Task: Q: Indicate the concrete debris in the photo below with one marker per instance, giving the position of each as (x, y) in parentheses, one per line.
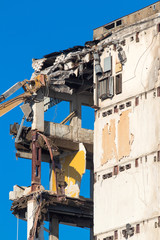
(19, 192)
(63, 69)
(77, 211)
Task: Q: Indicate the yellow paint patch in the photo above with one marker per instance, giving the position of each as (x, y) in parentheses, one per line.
(54, 187)
(74, 167)
(108, 142)
(124, 146)
(118, 67)
(111, 150)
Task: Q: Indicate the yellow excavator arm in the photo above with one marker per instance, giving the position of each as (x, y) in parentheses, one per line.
(9, 105)
(29, 86)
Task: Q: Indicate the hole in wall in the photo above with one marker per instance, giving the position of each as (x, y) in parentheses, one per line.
(85, 185)
(110, 26)
(118, 23)
(58, 112)
(45, 170)
(87, 115)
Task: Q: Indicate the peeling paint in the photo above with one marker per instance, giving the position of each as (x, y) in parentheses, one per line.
(110, 132)
(124, 146)
(108, 142)
(74, 167)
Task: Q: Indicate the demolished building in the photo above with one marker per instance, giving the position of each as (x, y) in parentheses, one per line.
(117, 74)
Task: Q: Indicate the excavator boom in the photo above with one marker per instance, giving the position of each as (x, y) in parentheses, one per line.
(30, 87)
(11, 90)
(14, 102)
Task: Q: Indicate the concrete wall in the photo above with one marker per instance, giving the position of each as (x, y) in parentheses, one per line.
(127, 138)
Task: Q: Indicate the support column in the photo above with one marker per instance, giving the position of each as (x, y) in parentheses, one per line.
(75, 105)
(31, 209)
(54, 229)
(38, 112)
(31, 217)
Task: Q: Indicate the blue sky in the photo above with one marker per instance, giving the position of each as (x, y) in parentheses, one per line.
(31, 29)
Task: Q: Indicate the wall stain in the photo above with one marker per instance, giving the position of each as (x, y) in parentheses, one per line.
(111, 149)
(108, 142)
(124, 146)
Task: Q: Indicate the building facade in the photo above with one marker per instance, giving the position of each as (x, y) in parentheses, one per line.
(127, 131)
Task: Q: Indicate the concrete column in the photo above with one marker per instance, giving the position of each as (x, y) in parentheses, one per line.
(75, 105)
(38, 112)
(31, 210)
(54, 229)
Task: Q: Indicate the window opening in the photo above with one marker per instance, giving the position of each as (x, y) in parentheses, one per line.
(110, 26)
(107, 64)
(55, 114)
(118, 23)
(87, 116)
(118, 83)
(106, 88)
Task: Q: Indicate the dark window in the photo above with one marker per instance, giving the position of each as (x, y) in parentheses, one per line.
(110, 26)
(122, 106)
(118, 23)
(106, 88)
(128, 166)
(121, 168)
(138, 228)
(119, 84)
(128, 104)
(116, 234)
(137, 36)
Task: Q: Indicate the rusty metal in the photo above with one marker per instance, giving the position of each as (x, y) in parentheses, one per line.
(136, 162)
(137, 228)
(36, 162)
(115, 170)
(137, 36)
(158, 156)
(136, 101)
(115, 109)
(158, 92)
(116, 234)
(51, 155)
